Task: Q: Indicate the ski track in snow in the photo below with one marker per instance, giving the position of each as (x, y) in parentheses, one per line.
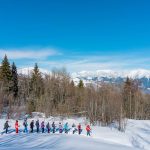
(140, 136)
(55, 142)
(137, 136)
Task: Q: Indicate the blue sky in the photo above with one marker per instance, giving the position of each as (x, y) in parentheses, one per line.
(76, 34)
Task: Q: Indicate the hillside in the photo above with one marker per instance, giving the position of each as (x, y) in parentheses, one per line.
(136, 137)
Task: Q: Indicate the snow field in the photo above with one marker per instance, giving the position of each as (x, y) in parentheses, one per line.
(136, 136)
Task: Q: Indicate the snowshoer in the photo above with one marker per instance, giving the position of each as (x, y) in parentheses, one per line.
(74, 128)
(88, 129)
(32, 126)
(42, 126)
(37, 126)
(48, 127)
(25, 124)
(66, 127)
(17, 126)
(53, 127)
(79, 129)
(60, 128)
(6, 126)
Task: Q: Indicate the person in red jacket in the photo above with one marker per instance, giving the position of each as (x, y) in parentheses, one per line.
(16, 126)
(88, 129)
(79, 129)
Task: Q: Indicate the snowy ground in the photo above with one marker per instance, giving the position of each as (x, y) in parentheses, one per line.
(137, 136)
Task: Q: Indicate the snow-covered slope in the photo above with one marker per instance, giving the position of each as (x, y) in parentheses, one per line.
(56, 142)
(137, 136)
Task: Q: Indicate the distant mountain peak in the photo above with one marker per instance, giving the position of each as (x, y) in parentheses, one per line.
(28, 70)
(138, 73)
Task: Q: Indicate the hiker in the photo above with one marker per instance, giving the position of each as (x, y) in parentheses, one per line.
(37, 126)
(53, 127)
(48, 127)
(6, 126)
(25, 124)
(17, 126)
(66, 127)
(88, 129)
(60, 128)
(42, 126)
(79, 129)
(74, 128)
(32, 126)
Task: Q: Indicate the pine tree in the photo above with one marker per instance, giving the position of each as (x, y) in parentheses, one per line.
(6, 74)
(36, 88)
(36, 82)
(14, 80)
(81, 84)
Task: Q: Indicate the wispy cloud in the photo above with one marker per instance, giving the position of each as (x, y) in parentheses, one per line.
(26, 57)
(91, 63)
(29, 53)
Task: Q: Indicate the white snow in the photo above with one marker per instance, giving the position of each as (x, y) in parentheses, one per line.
(88, 76)
(138, 73)
(28, 71)
(137, 136)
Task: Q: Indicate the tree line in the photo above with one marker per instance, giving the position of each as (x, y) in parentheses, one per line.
(56, 94)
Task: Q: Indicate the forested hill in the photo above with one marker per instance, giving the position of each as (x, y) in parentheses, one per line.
(58, 93)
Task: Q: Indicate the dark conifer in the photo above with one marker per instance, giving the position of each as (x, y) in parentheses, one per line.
(6, 74)
(81, 84)
(14, 80)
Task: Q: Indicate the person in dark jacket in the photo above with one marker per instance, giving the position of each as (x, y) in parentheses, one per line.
(6, 126)
(74, 129)
(42, 126)
(48, 127)
(53, 127)
(79, 129)
(37, 126)
(32, 126)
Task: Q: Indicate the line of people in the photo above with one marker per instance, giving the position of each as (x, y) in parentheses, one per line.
(48, 128)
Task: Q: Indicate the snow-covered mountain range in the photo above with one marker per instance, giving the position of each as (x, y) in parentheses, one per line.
(134, 74)
(113, 77)
(103, 76)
